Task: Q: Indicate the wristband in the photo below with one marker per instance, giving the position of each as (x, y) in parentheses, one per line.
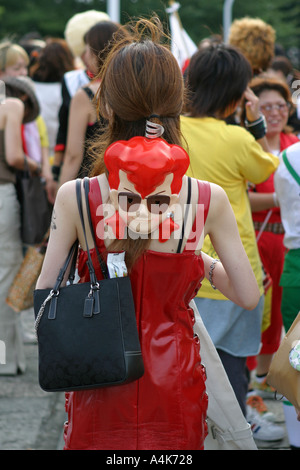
(55, 172)
(257, 128)
(275, 200)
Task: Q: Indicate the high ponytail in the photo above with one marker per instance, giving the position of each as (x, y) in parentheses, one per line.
(140, 77)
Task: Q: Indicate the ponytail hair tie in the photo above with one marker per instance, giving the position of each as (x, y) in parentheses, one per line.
(153, 130)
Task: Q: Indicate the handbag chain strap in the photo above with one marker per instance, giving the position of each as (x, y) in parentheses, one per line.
(41, 311)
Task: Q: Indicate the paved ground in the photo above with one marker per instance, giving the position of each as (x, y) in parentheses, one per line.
(33, 419)
(29, 417)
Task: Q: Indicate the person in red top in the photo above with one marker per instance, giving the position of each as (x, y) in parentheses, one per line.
(275, 104)
(137, 206)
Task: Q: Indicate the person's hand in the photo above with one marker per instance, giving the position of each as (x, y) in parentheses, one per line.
(251, 105)
(298, 414)
(51, 189)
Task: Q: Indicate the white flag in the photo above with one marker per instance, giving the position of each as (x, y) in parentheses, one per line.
(182, 45)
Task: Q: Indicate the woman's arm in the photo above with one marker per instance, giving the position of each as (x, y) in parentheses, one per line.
(234, 276)
(262, 201)
(63, 233)
(78, 122)
(51, 186)
(14, 152)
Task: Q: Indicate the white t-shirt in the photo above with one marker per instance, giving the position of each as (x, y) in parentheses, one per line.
(288, 193)
(49, 96)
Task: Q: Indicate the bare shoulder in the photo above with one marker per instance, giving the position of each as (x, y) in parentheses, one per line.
(218, 195)
(11, 115)
(66, 195)
(219, 206)
(14, 104)
(13, 107)
(80, 108)
(80, 97)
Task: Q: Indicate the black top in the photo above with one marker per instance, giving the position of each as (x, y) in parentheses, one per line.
(92, 131)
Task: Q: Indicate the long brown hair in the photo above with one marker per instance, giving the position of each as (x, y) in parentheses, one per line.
(52, 62)
(99, 38)
(140, 78)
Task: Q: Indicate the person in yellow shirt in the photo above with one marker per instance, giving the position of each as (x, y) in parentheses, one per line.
(230, 156)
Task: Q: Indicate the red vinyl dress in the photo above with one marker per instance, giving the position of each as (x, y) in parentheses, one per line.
(166, 408)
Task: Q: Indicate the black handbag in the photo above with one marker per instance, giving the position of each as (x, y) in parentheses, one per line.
(87, 333)
(36, 210)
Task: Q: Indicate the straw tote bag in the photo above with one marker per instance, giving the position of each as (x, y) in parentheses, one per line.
(20, 294)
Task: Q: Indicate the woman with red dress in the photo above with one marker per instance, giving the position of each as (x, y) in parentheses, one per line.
(275, 104)
(138, 206)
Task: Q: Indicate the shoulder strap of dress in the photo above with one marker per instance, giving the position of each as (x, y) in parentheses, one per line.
(185, 215)
(89, 92)
(96, 211)
(204, 193)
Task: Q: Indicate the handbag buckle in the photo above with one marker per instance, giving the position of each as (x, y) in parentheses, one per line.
(92, 302)
(54, 293)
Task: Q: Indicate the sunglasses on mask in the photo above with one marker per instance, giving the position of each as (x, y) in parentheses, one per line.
(156, 204)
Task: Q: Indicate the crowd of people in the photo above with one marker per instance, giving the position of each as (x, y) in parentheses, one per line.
(68, 101)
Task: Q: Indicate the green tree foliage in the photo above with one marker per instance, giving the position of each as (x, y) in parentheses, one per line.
(47, 17)
(204, 18)
(200, 18)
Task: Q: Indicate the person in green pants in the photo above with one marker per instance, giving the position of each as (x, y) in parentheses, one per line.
(287, 186)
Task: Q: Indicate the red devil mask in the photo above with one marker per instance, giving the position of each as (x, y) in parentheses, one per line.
(149, 170)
